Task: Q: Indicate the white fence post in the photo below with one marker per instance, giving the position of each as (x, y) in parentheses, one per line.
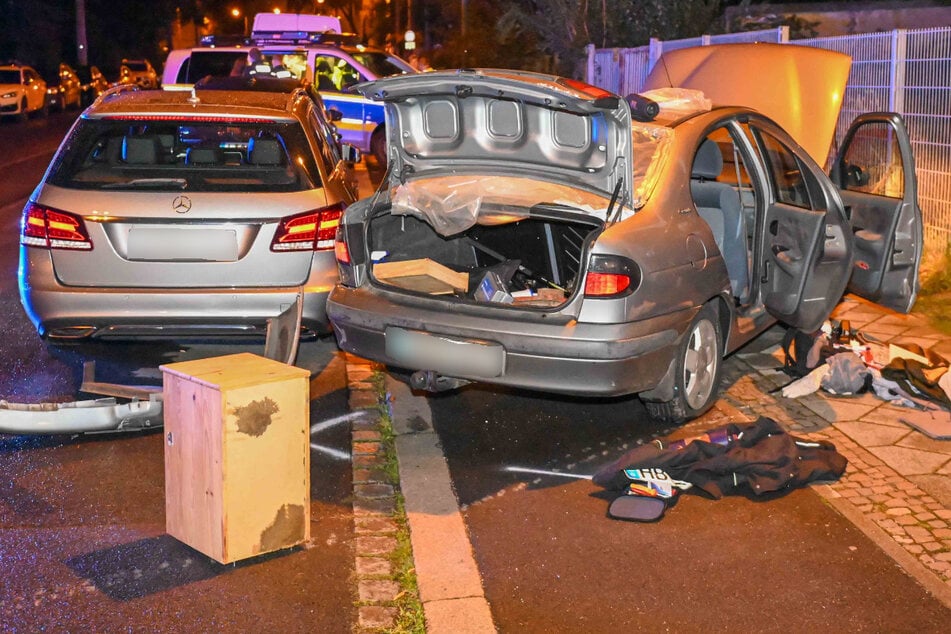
(589, 67)
(655, 51)
(896, 96)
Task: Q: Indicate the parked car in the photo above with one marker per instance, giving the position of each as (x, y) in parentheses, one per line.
(327, 58)
(166, 214)
(92, 83)
(65, 90)
(138, 72)
(531, 234)
(22, 91)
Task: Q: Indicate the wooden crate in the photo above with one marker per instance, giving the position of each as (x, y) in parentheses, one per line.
(237, 455)
(422, 275)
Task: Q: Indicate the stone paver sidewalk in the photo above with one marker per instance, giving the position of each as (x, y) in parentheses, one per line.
(898, 479)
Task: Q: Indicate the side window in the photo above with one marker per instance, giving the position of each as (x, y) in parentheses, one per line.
(325, 142)
(334, 73)
(785, 172)
(872, 162)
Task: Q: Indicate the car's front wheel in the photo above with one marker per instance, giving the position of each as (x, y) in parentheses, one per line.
(699, 361)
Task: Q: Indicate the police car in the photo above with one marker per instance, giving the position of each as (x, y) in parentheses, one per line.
(305, 46)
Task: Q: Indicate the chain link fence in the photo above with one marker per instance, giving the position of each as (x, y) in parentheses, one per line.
(904, 71)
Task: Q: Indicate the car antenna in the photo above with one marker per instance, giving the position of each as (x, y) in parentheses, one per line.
(663, 62)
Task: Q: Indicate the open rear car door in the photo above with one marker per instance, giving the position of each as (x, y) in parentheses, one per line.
(875, 173)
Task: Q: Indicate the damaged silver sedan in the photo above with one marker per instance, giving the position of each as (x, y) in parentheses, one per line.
(542, 233)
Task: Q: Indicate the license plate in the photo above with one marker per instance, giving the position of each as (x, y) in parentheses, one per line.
(446, 355)
(182, 245)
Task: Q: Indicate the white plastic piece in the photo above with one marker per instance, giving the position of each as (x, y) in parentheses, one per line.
(97, 415)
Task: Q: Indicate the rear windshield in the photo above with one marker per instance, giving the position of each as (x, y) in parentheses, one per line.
(203, 63)
(197, 156)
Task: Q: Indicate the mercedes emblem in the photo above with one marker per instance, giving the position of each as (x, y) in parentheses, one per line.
(181, 204)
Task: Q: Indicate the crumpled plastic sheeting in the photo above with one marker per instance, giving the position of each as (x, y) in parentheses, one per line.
(649, 152)
(679, 102)
(451, 204)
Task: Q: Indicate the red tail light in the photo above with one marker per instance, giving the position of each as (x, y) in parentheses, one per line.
(309, 231)
(341, 251)
(602, 284)
(611, 276)
(53, 229)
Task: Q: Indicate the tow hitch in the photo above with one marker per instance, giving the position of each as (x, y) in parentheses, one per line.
(431, 381)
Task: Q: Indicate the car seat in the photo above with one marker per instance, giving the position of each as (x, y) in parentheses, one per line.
(719, 204)
(265, 151)
(203, 156)
(141, 150)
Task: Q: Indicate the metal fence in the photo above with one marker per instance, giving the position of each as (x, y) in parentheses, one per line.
(904, 71)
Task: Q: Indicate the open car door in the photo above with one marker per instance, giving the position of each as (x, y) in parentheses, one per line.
(875, 173)
(804, 248)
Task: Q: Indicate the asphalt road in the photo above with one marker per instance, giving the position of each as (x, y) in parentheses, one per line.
(552, 561)
(82, 527)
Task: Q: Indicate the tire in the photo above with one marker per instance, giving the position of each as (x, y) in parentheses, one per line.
(44, 110)
(23, 115)
(697, 378)
(378, 146)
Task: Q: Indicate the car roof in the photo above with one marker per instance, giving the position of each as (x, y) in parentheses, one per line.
(194, 103)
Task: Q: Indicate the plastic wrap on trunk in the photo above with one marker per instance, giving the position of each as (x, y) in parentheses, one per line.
(452, 204)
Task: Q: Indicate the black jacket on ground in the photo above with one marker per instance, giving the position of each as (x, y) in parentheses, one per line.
(762, 459)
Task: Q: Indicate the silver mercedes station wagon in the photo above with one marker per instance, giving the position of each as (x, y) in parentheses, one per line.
(168, 214)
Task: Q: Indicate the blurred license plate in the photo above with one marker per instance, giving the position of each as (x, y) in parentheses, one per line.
(453, 357)
(184, 245)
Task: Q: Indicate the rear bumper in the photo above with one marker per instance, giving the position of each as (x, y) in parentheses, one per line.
(68, 312)
(570, 358)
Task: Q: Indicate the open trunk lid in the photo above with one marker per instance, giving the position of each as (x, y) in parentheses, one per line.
(537, 131)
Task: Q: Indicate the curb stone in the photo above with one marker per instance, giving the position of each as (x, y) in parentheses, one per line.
(374, 504)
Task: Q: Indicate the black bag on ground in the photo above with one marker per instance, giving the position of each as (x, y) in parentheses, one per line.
(803, 352)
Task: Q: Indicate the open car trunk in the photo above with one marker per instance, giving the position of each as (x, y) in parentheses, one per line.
(533, 260)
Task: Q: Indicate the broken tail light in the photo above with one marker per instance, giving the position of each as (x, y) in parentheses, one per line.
(611, 276)
(309, 231)
(48, 228)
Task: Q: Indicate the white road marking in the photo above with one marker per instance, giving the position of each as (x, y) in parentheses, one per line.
(579, 476)
(330, 451)
(332, 422)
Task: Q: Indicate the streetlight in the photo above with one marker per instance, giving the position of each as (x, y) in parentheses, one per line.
(236, 13)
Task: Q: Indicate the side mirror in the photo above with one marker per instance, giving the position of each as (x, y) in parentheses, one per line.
(350, 154)
(334, 114)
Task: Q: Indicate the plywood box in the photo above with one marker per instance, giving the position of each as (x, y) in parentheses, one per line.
(422, 275)
(237, 455)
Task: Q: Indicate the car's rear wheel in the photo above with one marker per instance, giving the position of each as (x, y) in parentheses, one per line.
(697, 378)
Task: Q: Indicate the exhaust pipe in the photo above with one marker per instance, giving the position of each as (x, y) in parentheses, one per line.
(430, 381)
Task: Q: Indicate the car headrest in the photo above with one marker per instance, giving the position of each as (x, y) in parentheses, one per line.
(203, 156)
(708, 163)
(265, 151)
(140, 150)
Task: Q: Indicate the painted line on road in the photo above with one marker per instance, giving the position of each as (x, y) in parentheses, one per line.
(316, 428)
(32, 157)
(562, 474)
(330, 451)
